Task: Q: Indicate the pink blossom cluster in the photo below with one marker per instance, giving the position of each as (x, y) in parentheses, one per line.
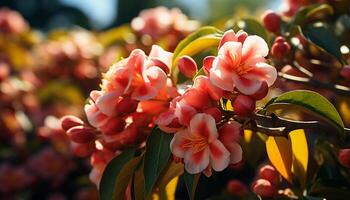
(121, 115)
(202, 140)
(159, 21)
(136, 94)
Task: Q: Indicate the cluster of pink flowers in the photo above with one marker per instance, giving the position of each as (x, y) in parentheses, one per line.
(201, 139)
(121, 114)
(136, 94)
(159, 21)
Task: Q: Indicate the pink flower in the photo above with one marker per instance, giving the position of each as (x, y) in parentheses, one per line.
(199, 145)
(241, 64)
(142, 76)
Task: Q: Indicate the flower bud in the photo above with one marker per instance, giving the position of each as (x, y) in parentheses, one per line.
(269, 173)
(70, 121)
(126, 106)
(280, 47)
(207, 64)
(344, 157)
(187, 66)
(83, 150)
(263, 188)
(271, 21)
(215, 113)
(237, 188)
(243, 105)
(114, 125)
(262, 92)
(81, 134)
(345, 72)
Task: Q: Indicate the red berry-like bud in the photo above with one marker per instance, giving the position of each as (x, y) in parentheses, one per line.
(70, 121)
(83, 150)
(196, 98)
(262, 92)
(345, 72)
(344, 157)
(243, 105)
(215, 113)
(113, 126)
(280, 47)
(269, 173)
(187, 66)
(208, 63)
(237, 188)
(271, 21)
(81, 134)
(126, 106)
(264, 188)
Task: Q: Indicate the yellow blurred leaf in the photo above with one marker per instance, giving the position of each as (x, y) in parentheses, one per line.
(120, 33)
(279, 151)
(300, 155)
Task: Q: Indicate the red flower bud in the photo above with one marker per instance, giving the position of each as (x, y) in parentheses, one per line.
(345, 72)
(263, 188)
(243, 105)
(280, 47)
(83, 150)
(114, 125)
(269, 173)
(237, 188)
(215, 113)
(81, 134)
(207, 64)
(70, 121)
(126, 106)
(271, 21)
(262, 92)
(344, 157)
(187, 66)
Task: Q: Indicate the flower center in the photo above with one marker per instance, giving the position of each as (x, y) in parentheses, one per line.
(196, 142)
(242, 69)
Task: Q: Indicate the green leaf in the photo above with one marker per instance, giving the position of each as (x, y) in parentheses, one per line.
(306, 13)
(124, 177)
(311, 102)
(324, 39)
(252, 27)
(191, 181)
(156, 157)
(111, 173)
(196, 42)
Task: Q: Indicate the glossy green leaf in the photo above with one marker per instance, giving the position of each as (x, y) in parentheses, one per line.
(306, 13)
(156, 157)
(325, 39)
(201, 40)
(124, 177)
(311, 102)
(111, 173)
(191, 181)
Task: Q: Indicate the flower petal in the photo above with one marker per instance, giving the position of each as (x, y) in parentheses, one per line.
(254, 46)
(196, 162)
(228, 36)
(246, 84)
(184, 113)
(263, 72)
(178, 142)
(204, 125)
(155, 76)
(235, 152)
(107, 103)
(144, 92)
(219, 156)
(165, 56)
(221, 77)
